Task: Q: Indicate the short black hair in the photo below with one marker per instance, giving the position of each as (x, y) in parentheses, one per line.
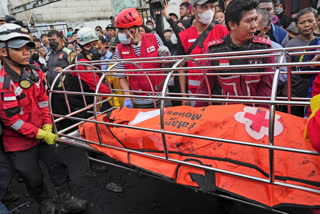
(173, 14)
(147, 30)
(101, 38)
(36, 40)
(261, 1)
(185, 4)
(148, 21)
(237, 8)
(55, 32)
(43, 35)
(168, 30)
(98, 27)
(305, 11)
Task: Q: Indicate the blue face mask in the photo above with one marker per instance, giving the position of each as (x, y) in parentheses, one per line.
(123, 38)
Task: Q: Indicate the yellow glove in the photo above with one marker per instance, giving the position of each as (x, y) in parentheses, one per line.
(47, 136)
(315, 106)
(47, 127)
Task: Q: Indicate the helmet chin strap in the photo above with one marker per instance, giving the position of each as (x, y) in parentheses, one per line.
(135, 40)
(11, 60)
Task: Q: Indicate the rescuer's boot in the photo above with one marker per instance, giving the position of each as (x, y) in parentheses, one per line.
(69, 203)
(47, 206)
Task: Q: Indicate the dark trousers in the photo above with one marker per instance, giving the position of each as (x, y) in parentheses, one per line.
(27, 164)
(5, 173)
(76, 159)
(59, 106)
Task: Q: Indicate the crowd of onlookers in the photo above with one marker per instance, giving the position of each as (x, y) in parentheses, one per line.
(201, 27)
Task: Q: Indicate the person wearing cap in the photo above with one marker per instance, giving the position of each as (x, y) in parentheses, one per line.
(276, 33)
(24, 113)
(204, 17)
(134, 44)
(241, 20)
(111, 32)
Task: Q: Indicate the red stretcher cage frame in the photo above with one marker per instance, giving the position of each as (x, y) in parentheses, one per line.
(173, 64)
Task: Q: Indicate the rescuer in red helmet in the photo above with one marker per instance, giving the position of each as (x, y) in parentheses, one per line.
(134, 44)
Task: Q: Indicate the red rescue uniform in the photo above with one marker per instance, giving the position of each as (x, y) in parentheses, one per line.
(149, 47)
(188, 37)
(22, 111)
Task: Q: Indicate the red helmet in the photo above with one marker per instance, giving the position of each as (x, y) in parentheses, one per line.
(128, 18)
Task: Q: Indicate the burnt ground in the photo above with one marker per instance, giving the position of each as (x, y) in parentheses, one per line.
(142, 194)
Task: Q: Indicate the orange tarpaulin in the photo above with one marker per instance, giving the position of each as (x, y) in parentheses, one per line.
(231, 122)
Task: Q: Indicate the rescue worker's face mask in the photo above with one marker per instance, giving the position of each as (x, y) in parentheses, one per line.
(150, 27)
(123, 38)
(94, 54)
(206, 17)
(54, 45)
(278, 11)
(35, 56)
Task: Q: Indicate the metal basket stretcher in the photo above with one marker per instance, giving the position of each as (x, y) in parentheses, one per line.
(178, 63)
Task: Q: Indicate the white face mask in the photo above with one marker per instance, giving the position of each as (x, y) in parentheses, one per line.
(206, 17)
(278, 11)
(150, 27)
(123, 38)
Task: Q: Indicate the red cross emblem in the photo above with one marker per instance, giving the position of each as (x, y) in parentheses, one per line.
(257, 122)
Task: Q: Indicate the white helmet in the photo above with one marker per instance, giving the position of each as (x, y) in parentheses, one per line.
(87, 35)
(14, 36)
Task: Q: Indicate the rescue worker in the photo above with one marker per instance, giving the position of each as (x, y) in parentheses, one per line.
(24, 112)
(134, 44)
(203, 10)
(241, 20)
(88, 42)
(78, 156)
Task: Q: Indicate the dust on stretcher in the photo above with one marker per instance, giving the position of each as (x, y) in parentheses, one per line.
(250, 153)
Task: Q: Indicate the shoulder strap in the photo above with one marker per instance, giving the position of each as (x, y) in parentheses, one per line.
(201, 38)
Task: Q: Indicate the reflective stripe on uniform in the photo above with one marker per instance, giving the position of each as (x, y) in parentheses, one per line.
(21, 111)
(17, 125)
(12, 98)
(193, 82)
(43, 104)
(1, 79)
